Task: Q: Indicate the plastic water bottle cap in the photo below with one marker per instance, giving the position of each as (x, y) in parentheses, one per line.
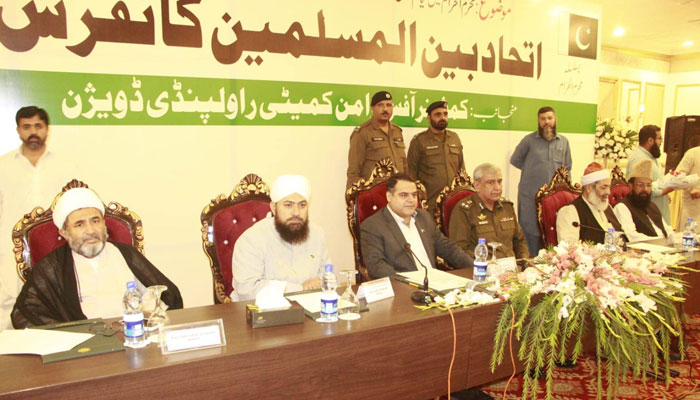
(131, 285)
(611, 230)
(690, 219)
(482, 241)
(328, 267)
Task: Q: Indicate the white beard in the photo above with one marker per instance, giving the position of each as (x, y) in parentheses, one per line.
(597, 202)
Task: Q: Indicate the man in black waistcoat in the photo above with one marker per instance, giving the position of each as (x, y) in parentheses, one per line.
(639, 217)
(591, 211)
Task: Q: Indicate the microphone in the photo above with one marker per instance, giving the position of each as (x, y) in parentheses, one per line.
(576, 224)
(479, 288)
(422, 295)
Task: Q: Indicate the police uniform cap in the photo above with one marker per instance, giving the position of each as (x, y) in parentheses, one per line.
(380, 96)
(436, 104)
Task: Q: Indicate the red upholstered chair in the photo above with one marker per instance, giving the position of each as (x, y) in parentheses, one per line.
(35, 235)
(223, 222)
(366, 197)
(549, 199)
(618, 186)
(460, 187)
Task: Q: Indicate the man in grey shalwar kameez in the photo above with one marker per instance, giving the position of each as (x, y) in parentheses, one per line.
(538, 156)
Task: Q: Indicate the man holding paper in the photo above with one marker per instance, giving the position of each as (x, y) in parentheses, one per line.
(282, 247)
(85, 278)
(399, 237)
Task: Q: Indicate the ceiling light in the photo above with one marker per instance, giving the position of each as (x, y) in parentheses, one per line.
(688, 43)
(619, 31)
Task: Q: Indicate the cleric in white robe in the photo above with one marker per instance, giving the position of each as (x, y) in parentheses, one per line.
(85, 278)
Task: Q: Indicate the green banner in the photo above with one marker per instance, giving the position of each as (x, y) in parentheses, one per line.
(110, 99)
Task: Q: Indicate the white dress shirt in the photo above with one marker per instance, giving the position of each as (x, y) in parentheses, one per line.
(410, 233)
(624, 217)
(24, 186)
(101, 282)
(568, 214)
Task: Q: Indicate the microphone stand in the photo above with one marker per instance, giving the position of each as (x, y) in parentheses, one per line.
(579, 225)
(421, 295)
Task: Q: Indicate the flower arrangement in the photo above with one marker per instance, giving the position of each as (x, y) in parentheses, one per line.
(613, 140)
(627, 299)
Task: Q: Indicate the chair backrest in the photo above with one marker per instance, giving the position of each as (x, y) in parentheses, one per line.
(224, 219)
(549, 199)
(460, 187)
(35, 235)
(618, 186)
(364, 198)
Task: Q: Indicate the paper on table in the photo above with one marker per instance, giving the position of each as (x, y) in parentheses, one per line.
(39, 341)
(651, 247)
(311, 301)
(439, 280)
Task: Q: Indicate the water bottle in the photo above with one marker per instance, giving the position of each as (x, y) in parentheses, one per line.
(133, 317)
(481, 261)
(689, 235)
(609, 243)
(329, 297)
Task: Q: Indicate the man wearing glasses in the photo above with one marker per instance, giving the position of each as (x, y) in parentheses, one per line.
(650, 149)
(639, 217)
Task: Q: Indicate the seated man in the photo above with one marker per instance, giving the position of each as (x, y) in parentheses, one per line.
(589, 216)
(384, 235)
(488, 215)
(640, 218)
(281, 247)
(85, 278)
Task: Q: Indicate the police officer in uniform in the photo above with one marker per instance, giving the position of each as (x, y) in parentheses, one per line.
(488, 215)
(435, 155)
(376, 139)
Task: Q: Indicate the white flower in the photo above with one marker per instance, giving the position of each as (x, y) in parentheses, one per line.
(529, 276)
(645, 302)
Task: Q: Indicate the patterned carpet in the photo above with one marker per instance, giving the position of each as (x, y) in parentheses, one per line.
(580, 382)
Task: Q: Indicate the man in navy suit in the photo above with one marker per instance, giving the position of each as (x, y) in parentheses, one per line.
(384, 235)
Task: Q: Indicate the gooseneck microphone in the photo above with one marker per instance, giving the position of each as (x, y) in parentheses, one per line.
(422, 295)
(576, 224)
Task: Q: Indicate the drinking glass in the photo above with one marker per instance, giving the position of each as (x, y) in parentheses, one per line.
(158, 317)
(348, 305)
(493, 268)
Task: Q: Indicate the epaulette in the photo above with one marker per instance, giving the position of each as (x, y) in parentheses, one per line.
(506, 200)
(467, 204)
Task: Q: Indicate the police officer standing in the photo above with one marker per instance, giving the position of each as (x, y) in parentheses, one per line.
(376, 139)
(435, 155)
(488, 215)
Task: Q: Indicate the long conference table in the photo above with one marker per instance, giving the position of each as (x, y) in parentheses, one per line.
(393, 351)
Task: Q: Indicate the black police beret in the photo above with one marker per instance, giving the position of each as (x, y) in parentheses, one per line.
(380, 96)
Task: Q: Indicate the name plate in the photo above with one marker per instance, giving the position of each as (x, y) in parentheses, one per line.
(192, 336)
(376, 290)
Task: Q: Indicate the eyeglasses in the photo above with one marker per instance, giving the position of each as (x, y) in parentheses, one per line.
(101, 328)
(642, 185)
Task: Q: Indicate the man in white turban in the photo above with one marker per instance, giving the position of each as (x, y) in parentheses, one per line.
(85, 278)
(283, 246)
(589, 216)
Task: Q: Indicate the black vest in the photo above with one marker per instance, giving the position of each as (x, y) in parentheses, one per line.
(641, 217)
(586, 219)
